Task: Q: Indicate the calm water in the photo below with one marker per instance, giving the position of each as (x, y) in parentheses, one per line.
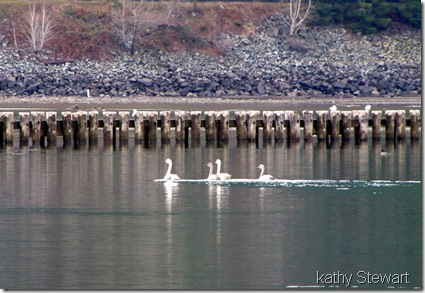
(95, 219)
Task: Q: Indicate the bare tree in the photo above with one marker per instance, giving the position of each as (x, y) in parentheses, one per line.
(134, 20)
(39, 27)
(299, 10)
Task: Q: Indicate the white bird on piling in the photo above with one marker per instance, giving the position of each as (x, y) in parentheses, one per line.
(223, 176)
(168, 175)
(212, 176)
(333, 108)
(367, 108)
(384, 153)
(134, 112)
(264, 177)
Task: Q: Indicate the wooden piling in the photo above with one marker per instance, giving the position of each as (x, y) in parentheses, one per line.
(108, 128)
(279, 122)
(308, 125)
(294, 126)
(241, 126)
(138, 127)
(210, 127)
(376, 125)
(414, 124)
(7, 119)
(195, 128)
(361, 119)
(51, 128)
(67, 127)
(180, 126)
(37, 135)
(123, 126)
(267, 126)
(251, 118)
(335, 117)
(93, 127)
(165, 127)
(346, 117)
(24, 130)
(152, 127)
(400, 122)
(81, 134)
(321, 125)
(389, 125)
(223, 129)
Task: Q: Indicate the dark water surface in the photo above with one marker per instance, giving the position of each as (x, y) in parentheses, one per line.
(95, 219)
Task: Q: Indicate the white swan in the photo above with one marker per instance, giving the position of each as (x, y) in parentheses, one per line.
(168, 175)
(264, 177)
(212, 176)
(367, 108)
(223, 176)
(333, 108)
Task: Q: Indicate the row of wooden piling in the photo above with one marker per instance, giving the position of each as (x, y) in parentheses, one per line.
(81, 127)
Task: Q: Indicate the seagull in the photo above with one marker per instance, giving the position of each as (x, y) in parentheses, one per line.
(333, 108)
(368, 107)
(134, 112)
(384, 153)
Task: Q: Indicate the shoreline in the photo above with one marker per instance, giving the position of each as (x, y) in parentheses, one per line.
(205, 104)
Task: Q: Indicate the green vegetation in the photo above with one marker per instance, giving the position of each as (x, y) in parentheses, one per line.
(368, 16)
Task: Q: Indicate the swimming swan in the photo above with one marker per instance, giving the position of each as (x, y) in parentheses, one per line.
(223, 176)
(168, 175)
(263, 177)
(212, 176)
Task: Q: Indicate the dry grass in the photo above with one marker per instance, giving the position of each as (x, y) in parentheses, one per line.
(84, 27)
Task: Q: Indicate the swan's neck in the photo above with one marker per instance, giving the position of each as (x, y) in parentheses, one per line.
(262, 171)
(169, 170)
(218, 167)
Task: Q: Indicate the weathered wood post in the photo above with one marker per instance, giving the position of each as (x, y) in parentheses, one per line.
(67, 127)
(24, 131)
(195, 127)
(108, 128)
(223, 129)
(93, 127)
(180, 117)
(335, 125)
(210, 127)
(346, 117)
(376, 125)
(389, 125)
(241, 126)
(361, 119)
(294, 126)
(414, 124)
(7, 119)
(308, 125)
(321, 125)
(400, 122)
(279, 122)
(51, 128)
(37, 135)
(82, 129)
(165, 127)
(152, 127)
(138, 127)
(267, 126)
(124, 125)
(251, 118)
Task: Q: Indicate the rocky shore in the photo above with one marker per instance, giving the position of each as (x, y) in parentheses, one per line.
(319, 62)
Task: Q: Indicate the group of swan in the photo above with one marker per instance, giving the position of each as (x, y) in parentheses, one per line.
(217, 176)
